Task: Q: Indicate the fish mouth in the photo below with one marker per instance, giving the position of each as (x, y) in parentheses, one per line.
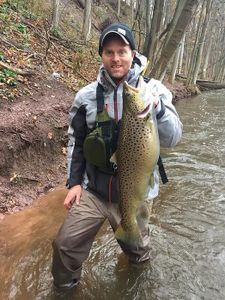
(144, 113)
(131, 87)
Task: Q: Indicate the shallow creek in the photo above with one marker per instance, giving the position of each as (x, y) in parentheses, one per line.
(187, 228)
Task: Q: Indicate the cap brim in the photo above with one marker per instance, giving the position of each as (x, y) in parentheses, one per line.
(116, 32)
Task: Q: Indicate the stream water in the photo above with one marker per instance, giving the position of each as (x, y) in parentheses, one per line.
(187, 229)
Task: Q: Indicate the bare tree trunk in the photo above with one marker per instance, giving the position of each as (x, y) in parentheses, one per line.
(221, 77)
(151, 45)
(132, 11)
(175, 63)
(180, 21)
(137, 24)
(218, 50)
(148, 17)
(55, 14)
(173, 24)
(118, 7)
(206, 60)
(87, 20)
(81, 3)
(196, 27)
(202, 39)
(221, 73)
(219, 70)
(180, 63)
(211, 59)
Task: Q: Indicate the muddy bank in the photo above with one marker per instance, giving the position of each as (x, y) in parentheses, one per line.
(33, 142)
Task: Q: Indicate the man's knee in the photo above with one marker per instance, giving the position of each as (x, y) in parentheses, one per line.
(59, 241)
(63, 240)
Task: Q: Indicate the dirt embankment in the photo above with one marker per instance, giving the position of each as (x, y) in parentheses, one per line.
(33, 141)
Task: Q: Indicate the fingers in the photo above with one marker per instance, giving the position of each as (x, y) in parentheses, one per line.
(155, 101)
(78, 196)
(73, 195)
(155, 98)
(68, 202)
(77, 200)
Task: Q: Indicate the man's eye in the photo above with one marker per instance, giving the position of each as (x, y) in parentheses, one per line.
(122, 52)
(108, 52)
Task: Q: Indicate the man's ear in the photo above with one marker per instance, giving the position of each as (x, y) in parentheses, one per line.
(133, 53)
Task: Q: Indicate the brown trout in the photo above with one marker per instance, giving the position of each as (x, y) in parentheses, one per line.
(136, 157)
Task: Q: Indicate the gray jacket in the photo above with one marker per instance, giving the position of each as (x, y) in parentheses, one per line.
(83, 116)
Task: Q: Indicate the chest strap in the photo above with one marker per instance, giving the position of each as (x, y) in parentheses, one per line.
(100, 98)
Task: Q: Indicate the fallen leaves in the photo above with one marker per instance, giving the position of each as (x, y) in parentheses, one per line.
(34, 118)
(64, 150)
(50, 135)
(17, 178)
(24, 43)
(14, 177)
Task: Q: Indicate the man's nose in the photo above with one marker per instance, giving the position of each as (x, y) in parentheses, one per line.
(116, 56)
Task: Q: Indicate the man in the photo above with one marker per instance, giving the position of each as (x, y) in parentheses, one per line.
(90, 188)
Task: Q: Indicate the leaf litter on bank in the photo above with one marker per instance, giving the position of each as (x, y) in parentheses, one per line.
(26, 45)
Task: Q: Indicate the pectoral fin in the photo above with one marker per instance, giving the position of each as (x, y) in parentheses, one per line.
(152, 181)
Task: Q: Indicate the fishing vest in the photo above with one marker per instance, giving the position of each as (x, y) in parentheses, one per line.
(101, 142)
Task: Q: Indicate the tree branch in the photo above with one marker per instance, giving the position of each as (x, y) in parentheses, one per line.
(17, 70)
(11, 43)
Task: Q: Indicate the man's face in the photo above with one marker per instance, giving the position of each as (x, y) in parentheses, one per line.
(117, 58)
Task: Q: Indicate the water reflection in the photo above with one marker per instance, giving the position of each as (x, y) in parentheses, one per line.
(187, 228)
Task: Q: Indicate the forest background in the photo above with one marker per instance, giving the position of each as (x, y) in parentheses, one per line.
(49, 49)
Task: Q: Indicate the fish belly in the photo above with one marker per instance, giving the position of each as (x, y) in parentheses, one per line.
(138, 152)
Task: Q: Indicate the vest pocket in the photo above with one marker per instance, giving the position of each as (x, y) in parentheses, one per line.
(102, 184)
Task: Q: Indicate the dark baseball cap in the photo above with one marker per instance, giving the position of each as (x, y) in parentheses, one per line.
(121, 30)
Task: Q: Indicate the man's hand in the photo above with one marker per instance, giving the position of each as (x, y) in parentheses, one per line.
(74, 194)
(155, 98)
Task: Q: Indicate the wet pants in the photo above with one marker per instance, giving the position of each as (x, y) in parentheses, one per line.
(73, 242)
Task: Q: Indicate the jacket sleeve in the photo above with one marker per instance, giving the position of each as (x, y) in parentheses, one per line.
(169, 124)
(77, 132)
